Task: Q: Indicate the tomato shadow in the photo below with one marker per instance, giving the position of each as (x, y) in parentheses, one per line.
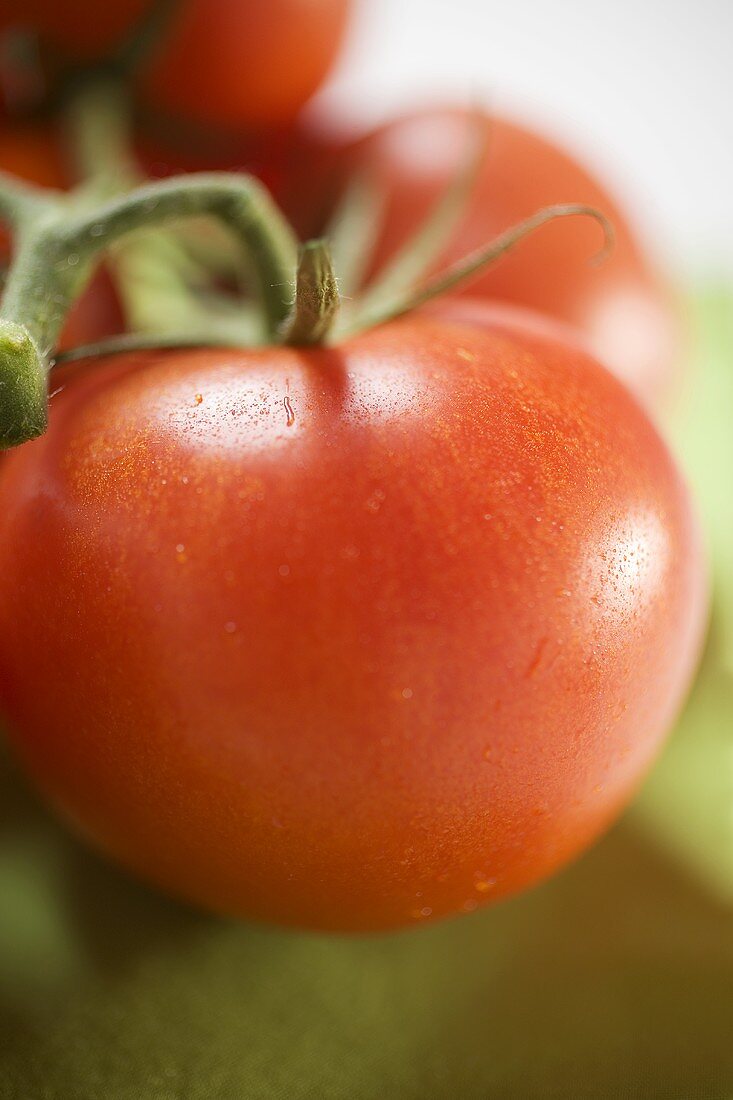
(19, 811)
(620, 966)
(117, 918)
(326, 367)
(109, 914)
(616, 972)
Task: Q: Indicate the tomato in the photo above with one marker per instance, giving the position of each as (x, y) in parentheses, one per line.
(624, 308)
(83, 27)
(241, 64)
(33, 154)
(251, 64)
(162, 152)
(348, 638)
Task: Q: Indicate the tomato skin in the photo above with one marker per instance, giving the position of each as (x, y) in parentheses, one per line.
(351, 638)
(31, 153)
(623, 307)
(238, 63)
(83, 27)
(252, 64)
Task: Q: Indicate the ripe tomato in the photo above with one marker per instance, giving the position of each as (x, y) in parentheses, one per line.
(83, 27)
(242, 64)
(625, 310)
(346, 638)
(33, 154)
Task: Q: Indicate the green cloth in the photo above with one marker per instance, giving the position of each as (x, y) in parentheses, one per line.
(614, 980)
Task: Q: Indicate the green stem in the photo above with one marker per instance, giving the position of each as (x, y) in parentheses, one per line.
(157, 276)
(317, 298)
(42, 283)
(471, 266)
(45, 277)
(98, 133)
(20, 202)
(23, 400)
(353, 231)
(141, 341)
(67, 73)
(146, 38)
(413, 261)
(58, 242)
(240, 202)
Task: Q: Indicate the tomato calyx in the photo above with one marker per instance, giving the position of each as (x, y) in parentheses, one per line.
(60, 237)
(167, 280)
(317, 298)
(476, 262)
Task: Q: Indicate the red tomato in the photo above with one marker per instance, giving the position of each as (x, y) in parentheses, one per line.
(250, 63)
(32, 154)
(348, 638)
(85, 28)
(625, 310)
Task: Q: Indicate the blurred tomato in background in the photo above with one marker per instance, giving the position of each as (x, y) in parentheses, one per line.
(232, 64)
(623, 306)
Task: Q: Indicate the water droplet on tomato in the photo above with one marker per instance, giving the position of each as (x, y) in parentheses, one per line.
(420, 914)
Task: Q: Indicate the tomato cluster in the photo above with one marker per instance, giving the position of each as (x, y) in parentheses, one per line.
(245, 64)
(355, 636)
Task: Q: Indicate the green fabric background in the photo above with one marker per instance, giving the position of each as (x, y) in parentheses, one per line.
(613, 980)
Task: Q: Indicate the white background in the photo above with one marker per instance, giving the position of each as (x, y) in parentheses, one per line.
(642, 89)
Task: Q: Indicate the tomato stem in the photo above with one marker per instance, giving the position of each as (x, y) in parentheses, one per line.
(19, 202)
(146, 37)
(163, 277)
(142, 341)
(23, 411)
(58, 239)
(240, 202)
(317, 298)
(462, 272)
(50, 74)
(412, 263)
(96, 123)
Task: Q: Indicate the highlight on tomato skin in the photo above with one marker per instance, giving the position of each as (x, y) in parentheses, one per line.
(624, 307)
(238, 63)
(351, 638)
